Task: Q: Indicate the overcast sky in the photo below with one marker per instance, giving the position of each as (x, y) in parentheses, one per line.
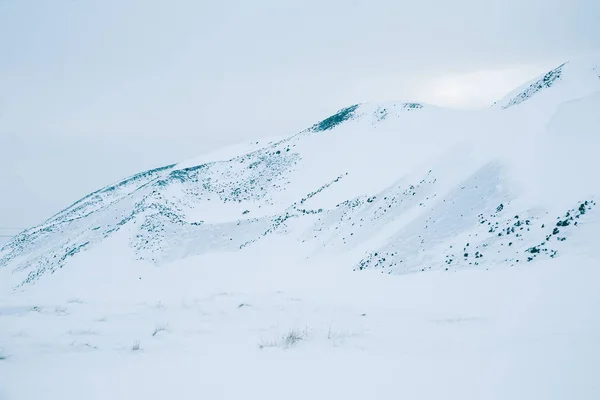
(94, 90)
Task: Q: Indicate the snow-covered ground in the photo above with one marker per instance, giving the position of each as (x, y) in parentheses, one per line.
(227, 329)
(394, 250)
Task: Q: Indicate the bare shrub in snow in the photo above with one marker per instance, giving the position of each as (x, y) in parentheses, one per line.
(135, 346)
(292, 337)
(288, 340)
(160, 328)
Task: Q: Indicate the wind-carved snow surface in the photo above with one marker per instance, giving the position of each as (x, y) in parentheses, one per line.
(414, 251)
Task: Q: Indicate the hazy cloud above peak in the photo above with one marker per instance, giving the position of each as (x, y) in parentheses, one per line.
(101, 89)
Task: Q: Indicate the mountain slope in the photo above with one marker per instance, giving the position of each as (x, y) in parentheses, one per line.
(397, 186)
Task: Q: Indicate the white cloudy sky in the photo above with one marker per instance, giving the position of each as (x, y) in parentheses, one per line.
(94, 90)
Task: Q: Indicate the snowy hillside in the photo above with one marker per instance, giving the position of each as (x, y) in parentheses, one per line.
(399, 187)
(272, 243)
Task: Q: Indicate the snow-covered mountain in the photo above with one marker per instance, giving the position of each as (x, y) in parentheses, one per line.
(399, 187)
(393, 250)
